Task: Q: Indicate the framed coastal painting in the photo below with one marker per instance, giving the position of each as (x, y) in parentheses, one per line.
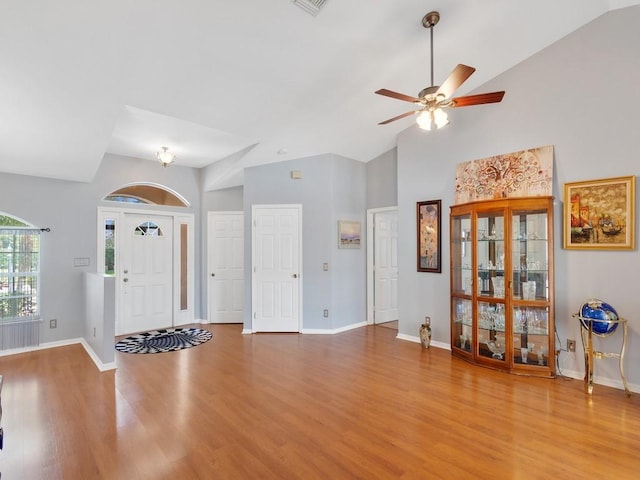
(429, 236)
(349, 233)
(599, 214)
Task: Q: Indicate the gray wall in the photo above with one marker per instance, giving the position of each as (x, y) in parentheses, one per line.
(382, 180)
(70, 210)
(580, 95)
(332, 188)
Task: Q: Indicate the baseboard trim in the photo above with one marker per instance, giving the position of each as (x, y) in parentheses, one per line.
(42, 346)
(603, 381)
(103, 367)
(322, 331)
(414, 339)
(598, 380)
(64, 343)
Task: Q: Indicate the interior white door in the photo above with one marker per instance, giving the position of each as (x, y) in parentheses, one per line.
(276, 268)
(385, 267)
(146, 273)
(226, 266)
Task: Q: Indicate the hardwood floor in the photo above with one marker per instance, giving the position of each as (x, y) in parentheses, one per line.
(360, 404)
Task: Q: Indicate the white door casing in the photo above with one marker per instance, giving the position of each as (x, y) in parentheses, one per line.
(146, 273)
(382, 284)
(386, 267)
(183, 284)
(276, 268)
(225, 254)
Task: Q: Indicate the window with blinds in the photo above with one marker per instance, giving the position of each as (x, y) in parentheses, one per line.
(19, 270)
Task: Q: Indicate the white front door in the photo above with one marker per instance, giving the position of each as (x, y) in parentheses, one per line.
(385, 267)
(276, 268)
(225, 255)
(146, 273)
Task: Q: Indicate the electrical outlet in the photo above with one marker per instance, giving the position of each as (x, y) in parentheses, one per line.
(571, 345)
(325, 314)
(53, 323)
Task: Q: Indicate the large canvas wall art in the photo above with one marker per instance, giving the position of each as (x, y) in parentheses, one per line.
(527, 173)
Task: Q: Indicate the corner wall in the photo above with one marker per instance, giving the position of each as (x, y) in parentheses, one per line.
(332, 188)
(579, 95)
(70, 210)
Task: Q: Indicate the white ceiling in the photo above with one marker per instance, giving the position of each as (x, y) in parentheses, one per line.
(251, 81)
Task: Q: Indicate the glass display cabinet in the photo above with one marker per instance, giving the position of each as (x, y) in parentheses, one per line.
(502, 284)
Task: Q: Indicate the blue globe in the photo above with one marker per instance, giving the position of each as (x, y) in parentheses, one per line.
(598, 310)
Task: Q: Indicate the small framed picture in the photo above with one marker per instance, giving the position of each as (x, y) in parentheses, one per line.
(599, 214)
(349, 234)
(429, 236)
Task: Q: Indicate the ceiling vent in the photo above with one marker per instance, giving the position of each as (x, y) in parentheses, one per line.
(312, 7)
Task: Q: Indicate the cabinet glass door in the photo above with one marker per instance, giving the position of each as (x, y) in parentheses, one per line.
(531, 335)
(491, 330)
(461, 255)
(490, 255)
(530, 292)
(530, 256)
(462, 324)
(461, 283)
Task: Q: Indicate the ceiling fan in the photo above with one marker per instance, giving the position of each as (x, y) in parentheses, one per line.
(432, 100)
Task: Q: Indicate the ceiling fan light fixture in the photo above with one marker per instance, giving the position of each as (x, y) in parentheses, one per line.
(437, 117)
(440, 118)
(431, 100)
(424, 120)
(166, 157)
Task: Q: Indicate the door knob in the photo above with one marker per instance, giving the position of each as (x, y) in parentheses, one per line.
(125, 279)
(213, 274)
(295, 275)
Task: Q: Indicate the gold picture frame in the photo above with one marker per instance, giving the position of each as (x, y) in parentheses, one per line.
(599, 214)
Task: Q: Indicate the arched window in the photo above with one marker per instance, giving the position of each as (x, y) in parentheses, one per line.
(147, 194)
(19, 270)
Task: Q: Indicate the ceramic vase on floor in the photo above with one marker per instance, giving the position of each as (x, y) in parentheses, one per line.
(425, 333)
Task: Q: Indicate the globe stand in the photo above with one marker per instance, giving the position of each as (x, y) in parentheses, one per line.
(590, 354)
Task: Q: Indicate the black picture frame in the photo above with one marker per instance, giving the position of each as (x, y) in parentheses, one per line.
(429, 242)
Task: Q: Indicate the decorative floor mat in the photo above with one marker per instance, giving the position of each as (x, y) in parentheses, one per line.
(164, 340)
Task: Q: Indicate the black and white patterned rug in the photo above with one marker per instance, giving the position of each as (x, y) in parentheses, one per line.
(164, 340)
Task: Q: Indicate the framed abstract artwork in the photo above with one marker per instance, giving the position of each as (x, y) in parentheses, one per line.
(599, 214)
(429, 236)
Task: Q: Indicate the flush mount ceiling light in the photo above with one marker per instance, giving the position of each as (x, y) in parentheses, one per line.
(431, 101)
(165, 156)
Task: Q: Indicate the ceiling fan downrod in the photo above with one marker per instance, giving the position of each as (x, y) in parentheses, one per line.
(429, 21)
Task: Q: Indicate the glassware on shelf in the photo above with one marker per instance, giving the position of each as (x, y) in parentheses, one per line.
(497, 348)
(498, 286)
(529, 290)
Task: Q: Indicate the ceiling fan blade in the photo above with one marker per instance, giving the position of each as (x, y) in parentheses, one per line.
(397, 118)
(455, 79)
(398, 96)
(493, 97)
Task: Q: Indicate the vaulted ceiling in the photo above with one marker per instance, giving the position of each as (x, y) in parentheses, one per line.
(240, 83)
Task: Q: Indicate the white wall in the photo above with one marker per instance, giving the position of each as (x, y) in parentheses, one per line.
(580, 95)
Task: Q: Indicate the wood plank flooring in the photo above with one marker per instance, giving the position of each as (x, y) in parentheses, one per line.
(357, 405)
